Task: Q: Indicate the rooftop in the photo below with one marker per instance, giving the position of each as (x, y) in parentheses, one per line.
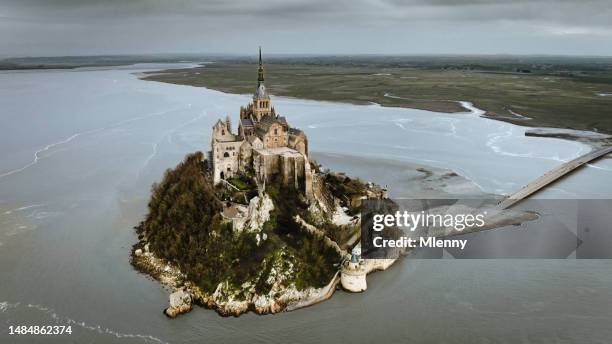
(286, 151)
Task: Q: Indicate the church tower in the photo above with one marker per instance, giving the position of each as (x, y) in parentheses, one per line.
(260, 71)
(261, 100)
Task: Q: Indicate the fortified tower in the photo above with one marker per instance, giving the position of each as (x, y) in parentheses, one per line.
(353, 273)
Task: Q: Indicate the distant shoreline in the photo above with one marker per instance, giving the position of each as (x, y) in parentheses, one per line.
(387, 99)
(533, 91)
(531, 100)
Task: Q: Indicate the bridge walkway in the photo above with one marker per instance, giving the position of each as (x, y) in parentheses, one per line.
(552, 176)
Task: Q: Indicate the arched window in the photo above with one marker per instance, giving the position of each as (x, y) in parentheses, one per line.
(275, 131)
(222, 132)
(226, 155)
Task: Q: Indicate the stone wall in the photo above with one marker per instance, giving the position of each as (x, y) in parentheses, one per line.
(299, 142)
(322, 195)
(308, 181)
(353, 278)
(289, 168)
(275, 136)
(226, 159)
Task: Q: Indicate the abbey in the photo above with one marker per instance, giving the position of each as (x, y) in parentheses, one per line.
(265, 146)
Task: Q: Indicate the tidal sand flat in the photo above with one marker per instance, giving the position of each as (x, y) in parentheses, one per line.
(94, 188)
(404, 179)
(544, 91)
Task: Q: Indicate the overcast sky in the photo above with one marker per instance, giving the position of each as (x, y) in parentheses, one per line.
(73, 27)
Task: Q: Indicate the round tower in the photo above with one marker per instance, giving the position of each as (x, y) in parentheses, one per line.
(353, 274)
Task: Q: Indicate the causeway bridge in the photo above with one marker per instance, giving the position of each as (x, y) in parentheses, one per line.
(551, 176)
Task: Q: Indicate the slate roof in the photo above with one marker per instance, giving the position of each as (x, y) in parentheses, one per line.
(260, 132)
(266, 122)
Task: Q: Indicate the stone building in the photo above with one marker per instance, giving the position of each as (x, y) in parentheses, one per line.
(353, 272)
(265, 145)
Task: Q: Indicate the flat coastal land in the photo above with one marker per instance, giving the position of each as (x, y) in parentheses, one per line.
(559, 92)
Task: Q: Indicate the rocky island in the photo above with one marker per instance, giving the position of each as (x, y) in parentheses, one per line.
(253, 224)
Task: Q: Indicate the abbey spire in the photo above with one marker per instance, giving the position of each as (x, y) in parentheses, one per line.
(261, 100)
(260, 71)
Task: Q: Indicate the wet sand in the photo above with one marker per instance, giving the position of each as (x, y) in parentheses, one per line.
(73, 266)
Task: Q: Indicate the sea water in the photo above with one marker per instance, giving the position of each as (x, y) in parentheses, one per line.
(80, 148)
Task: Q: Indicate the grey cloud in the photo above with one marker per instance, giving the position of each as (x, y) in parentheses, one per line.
(565, 11)
(304, 25)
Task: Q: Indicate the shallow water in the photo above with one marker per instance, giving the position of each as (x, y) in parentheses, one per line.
(80, 149)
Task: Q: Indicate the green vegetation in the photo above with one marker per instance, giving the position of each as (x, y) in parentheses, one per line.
(184, 226)
(314, 269)
(347, 189)
(554, 91)
(239, 183)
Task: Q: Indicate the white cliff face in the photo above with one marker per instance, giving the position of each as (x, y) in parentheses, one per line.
(317, 213)
(281, 270)
(257, 214)
(227, 300)
(275, 277)
(231, 300)
(323, 204)
(340, 218)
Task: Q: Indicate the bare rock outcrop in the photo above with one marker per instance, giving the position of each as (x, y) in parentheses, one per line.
(258, 213)
(180, 302)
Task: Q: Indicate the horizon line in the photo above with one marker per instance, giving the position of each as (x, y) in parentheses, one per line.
(276, 54)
